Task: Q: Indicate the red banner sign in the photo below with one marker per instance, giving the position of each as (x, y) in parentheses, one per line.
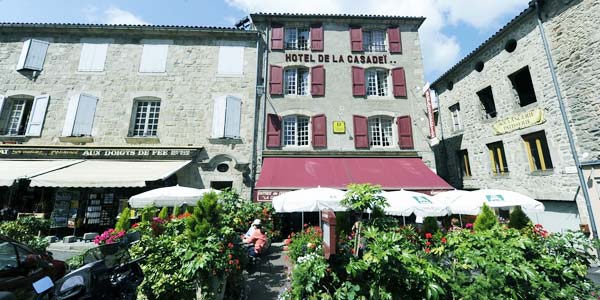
(430, 113)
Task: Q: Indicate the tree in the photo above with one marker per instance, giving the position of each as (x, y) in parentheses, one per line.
(205, 217)
(175, 211)
(486, 219)
(164, 213)
(123, 222)
(518, 219)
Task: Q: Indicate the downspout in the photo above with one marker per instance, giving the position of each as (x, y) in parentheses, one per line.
(563, 112)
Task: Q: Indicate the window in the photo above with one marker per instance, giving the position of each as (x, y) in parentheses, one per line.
(296, 81)
(154, 56)
(498, 158)
(227, 117)
(455, 113)
(295, 131)
(231, 60)
(377, 83)
(9, 256)
(17, 115)
(380, 132)
(296, 38)
(146, 117)
(522, 84)
(463, 162)
(487, 103)
(374, 41)
(80, 115)
(33, 55)
(22, 115)
(93, 55)
(537, 151)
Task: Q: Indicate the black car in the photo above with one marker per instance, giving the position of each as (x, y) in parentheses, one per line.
(21, 266)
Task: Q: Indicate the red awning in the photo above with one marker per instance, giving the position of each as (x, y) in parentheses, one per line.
(309, 172)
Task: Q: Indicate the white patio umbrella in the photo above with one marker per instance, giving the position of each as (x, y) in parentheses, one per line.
(405, 203)
(471, 203)
(448, 197)
(169, 196)
(309, 200)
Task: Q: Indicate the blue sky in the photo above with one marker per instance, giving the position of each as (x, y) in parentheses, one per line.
(453, 27)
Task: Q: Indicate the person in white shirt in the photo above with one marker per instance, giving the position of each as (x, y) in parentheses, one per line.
(251, 229)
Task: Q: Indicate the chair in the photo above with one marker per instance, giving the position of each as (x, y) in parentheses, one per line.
(262, 259)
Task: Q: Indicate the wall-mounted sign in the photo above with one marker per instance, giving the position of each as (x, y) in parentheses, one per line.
(430, 115)
(339, 127)
(337, 58)
(519, 121)
(83, 153)
(268, 195)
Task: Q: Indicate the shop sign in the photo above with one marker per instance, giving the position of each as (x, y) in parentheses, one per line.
(519, 121)
(337, 58)
(339, 127)
(99, 153)
(268, 195)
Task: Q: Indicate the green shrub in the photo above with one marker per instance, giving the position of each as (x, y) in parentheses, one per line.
(164, 213)
(430, 225)
(26, 230)
(205, 217)
(123, 221)
(361, 197)
(148, 213)
(486, 219)
(176, 211)
(518, 219)
(309, 240)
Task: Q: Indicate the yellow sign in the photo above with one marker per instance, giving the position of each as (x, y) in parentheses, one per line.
(339, 127)
(519, 121)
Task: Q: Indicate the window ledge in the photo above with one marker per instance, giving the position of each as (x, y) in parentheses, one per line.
(230, 75)
(501, 175)
(546, 172)
(13, 139)
(76, 139)
(142, 140)
(226, 141)
(458, 132)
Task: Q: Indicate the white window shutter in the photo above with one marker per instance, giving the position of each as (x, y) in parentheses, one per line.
(231, 60)
(33, 55)
(218, 125)
(84, 119)
(2, 98)
(233, 113)
(93, 55)
(154, 57)
(70, 117)
(37, 115)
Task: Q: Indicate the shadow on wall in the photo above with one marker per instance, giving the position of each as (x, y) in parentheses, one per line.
(447, 158)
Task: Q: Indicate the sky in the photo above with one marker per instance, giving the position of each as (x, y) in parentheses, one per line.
(452, 30)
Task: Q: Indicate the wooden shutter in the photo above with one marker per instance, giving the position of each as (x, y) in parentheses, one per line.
(37, 115)
(218, 123)
(356, 39)
(358, 81)
(319, 131)
(317, 81)
(277, 37)
(231, 60)
(70, 117)
(394, 40)
(361, 131)
(154, 56)
(399, 82)
(405, 136)
(316, 37)
(33, 55)
(93, 55)
(276, 80)
(273, 130)
(84, 119)
(233, 114)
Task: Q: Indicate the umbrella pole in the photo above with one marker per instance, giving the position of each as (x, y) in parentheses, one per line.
(460, 217)
(404, 220)
(302, 225)
(320, 215)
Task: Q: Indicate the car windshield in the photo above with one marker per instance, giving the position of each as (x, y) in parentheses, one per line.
(112, 254)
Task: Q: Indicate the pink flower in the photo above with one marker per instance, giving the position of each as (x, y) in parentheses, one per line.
(428, 235)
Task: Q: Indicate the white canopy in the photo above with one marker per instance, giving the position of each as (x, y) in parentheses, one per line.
(169, 197)
(448, 197)
(308, 200)
(405, 203)
(109, 173)
(471, 203)
(13, 169)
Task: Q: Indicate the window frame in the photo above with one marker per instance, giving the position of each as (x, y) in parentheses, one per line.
(381, 131)
(482, 103)
(498, 158)
(24, 117)
(465, 163)
(295, 121)
(368, 41)
(293, 43)
(377, 82)
(543, 161)
(455, 115)
(520, 92)
(147, 117)
(297, 82)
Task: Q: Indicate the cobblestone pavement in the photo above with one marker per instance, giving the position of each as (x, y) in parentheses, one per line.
(267, 277)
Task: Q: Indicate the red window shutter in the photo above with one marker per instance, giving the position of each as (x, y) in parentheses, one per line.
(276, 82)
(361, 132)
(316, 37)
(277, 37)
(318, 81)
(273, 130)
(394, 40)
(356, 39)
(358, 81)
(405, 136)
(319, 131)
(399, 80)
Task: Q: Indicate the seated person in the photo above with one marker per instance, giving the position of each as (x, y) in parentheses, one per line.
(259, 239)
(251, 229)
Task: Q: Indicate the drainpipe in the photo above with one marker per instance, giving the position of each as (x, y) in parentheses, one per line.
(563, 112)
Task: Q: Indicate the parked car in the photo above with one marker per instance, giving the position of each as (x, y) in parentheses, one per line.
(21, 266)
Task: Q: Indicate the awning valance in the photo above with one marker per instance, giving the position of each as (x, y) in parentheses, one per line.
(109, 173)
(14, 169)
(333, 172)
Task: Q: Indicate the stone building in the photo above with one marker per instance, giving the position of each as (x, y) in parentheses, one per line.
(342, 104)
(92, 114)
(499, 112)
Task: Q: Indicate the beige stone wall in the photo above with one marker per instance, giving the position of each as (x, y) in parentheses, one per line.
(186, 90)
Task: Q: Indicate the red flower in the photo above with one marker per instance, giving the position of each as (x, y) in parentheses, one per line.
(428, 243)
(135, 225)
(230, 245)
(231, 262)
(427, 250)
(230, 256)
(443, 240)
(428, 235)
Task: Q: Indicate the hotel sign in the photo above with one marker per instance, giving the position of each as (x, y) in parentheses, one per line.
(337, 58)
(519, 121)
(339, 127)
(268, 195)
(99, 153)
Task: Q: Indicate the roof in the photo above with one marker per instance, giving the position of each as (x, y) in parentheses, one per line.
(124, 27)
(491, 39)
(259, 15)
